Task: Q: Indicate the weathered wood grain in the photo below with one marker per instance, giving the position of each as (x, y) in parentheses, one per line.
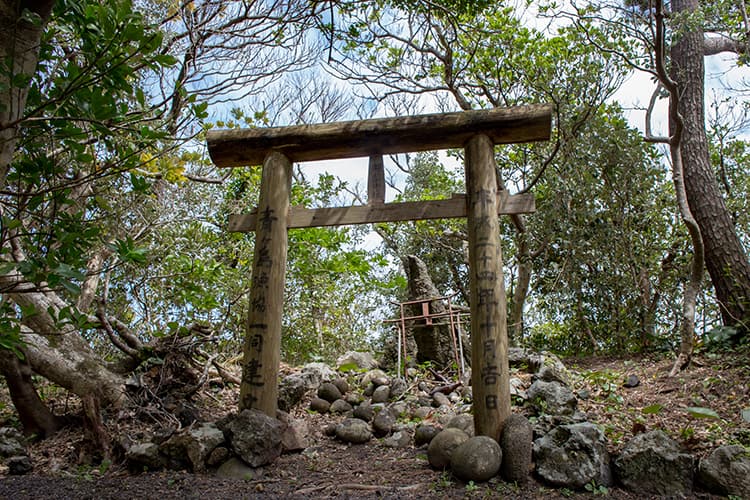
(490, 379)
(262, 348)
(376, 181)
(388, 212)
(352, 139)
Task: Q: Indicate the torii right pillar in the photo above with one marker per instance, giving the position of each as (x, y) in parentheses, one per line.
(490, 378)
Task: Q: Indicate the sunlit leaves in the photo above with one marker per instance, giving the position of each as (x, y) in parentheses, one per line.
(127, 250)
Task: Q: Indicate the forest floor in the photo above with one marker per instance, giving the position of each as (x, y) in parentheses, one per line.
(714, 383)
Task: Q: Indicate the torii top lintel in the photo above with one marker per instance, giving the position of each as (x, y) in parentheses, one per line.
(353, 139)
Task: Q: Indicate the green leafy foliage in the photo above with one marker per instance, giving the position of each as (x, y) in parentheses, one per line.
(128, 252)
(596, 489)
(700, 412)
(83, 130)
(652, 409)
(607, 220)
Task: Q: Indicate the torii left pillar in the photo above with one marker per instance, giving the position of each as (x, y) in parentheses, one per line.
(262, 349)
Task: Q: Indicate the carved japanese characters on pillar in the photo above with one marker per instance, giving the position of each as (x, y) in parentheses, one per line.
(262, 349)
(490, 374)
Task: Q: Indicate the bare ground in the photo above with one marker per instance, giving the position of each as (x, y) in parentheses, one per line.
(332, 469)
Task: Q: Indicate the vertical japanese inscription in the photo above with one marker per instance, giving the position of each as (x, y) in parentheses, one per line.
(488, 307)
(261, 354)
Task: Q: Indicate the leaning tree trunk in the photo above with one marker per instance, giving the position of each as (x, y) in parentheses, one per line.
(726, 260)
(433, 341)
(58, 352)
(675, 140)
(35, 416)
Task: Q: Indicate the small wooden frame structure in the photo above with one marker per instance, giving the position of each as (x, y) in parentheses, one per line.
(454, 324)
(277, 148)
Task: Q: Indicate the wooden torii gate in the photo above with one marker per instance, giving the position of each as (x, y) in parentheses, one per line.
(278, 148)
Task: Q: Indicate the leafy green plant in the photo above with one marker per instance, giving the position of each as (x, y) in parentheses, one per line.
(444, 480)
(652, 409)
(350, 368)
(607, 381)
(687, 433)
(700, 412)
(720, 338)
(104, 466)
(507, 488)
(471, 487)
(596, 489)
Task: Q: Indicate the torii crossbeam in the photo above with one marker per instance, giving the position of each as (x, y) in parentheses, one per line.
(278, 148)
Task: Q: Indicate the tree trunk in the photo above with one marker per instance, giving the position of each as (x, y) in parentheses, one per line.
(57, 351)
(726, 260)
(521, 290)
(433, 341)
(19, 44)
(35, 417)
(94, 431)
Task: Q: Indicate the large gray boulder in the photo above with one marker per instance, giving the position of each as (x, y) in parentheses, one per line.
(292, 389)
(381, 394)
(144, 457)
(294, 433)
(463, 421)
(544, 365)
(234, 468)
(476, 459)
(726, 471)
(315, 373)
(12, 442)
(398, 387)
(518, 357)
(383, 423)
(441, 447)
(571, 456)
(19, 465)
(255, 437)
(552, 398)
(440, 400)
(399, 439)
(424, 434)
(516, 441)
(364, 412)
(320, 405)
(652, 464)
(329, 392)
(340, 407)
(376, 377)
(342, 384)
(353, 430)
(546, 422)
(193, 445)
(548, 367)
(357, 360)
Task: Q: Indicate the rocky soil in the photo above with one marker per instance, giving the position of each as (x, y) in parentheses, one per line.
(700, 410)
